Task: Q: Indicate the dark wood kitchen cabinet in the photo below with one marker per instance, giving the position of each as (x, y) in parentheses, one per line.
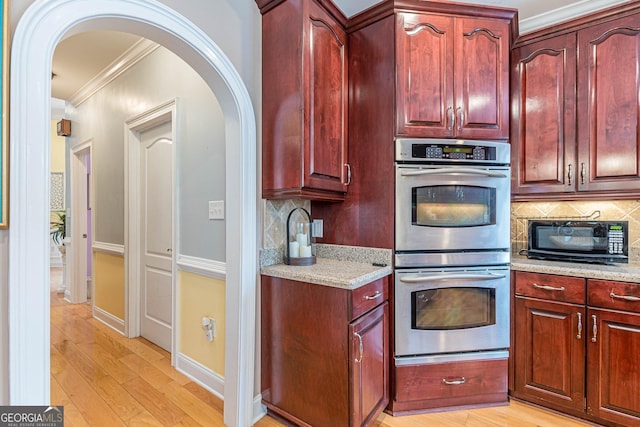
(550, 331)
(609, 106)
(576, 109)
(543, 131)
(452, 77)
(304, 100)
(576, 346)
(325, 352)
(613, 349)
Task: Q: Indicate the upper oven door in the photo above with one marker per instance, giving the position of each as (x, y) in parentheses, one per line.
(452, 208)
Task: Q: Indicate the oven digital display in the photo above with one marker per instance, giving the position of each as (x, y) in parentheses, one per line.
(467, 150)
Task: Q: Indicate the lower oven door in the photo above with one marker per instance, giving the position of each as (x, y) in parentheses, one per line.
(451, 310)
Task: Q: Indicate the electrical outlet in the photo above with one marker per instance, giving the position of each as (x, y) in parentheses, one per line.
(317, 228)
(216, 209)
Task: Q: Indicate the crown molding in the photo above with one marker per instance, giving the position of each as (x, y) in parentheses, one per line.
(565, 13)
(128, 59)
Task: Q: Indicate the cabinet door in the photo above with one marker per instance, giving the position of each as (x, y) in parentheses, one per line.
(543, 137)
(369, 365)
(481, 75)
(550, 352)
(424, 97)
(325, 156)
(613, 390)
(609, 106)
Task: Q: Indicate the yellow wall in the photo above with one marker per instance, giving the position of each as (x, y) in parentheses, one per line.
(57, 149)
(108, 278)
(201, 296)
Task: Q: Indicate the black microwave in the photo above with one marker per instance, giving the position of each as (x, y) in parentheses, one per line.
(601, 242)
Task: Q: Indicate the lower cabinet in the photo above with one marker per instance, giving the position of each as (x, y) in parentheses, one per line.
(325, 352)
(577, 346)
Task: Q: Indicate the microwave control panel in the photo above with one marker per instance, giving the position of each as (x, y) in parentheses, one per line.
(616, 239)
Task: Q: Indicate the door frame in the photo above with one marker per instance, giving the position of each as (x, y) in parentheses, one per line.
(42, 26)
(166, 112)
(77, 290)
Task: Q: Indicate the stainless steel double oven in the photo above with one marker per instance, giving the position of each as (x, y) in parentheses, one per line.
(452, 249)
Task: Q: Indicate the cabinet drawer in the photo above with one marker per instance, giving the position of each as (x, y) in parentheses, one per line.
(452, 380)
(551, 287)
(614, 295)
(368, 296)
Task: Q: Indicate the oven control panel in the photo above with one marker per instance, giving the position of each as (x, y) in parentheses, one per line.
(442, 150)
(452, 152)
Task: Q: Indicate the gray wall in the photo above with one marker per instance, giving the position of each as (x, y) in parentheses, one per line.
(235, 26)
(156, 79)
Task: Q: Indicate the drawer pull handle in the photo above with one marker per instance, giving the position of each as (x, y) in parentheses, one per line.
(548, 288)
(462, 380)
(570, 173)
(360, 347)
(579, 326)
(624, 297)
(595, 329)
(377, 295)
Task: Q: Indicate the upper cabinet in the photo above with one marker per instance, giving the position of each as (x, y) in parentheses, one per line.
(304, 101)
(543, 132)
(609, 106)
(452, 76)
(576, 109)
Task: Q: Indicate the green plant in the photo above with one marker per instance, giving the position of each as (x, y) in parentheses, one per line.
(59, 227)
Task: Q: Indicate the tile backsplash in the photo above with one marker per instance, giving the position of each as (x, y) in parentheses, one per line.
(275, 220)
(618, 210)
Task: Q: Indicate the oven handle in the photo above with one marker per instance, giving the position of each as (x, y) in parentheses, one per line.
(453, 170)
(453, 276)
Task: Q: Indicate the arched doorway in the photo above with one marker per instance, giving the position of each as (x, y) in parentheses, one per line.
(41, 28)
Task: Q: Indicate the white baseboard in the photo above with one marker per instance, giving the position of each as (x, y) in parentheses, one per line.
(200, 374)
(259, 410)
(109, 319)
(212, 382)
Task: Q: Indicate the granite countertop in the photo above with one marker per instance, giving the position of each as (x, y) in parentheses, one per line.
(620, 272)
(347, 267)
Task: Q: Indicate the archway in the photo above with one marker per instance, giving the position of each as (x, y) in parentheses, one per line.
(40, 29)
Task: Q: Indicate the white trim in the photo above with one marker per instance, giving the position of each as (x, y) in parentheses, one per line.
(259, 410)
(128, 59)
(39, 30)
(108, 319)
(565, 13)
(200, 374)
(108, 248)
(202, 267)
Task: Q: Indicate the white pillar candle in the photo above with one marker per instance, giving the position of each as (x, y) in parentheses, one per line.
(301, 238)
(305, 251)
(294, 251)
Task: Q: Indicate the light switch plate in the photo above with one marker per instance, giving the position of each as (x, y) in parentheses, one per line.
(216, 209)
(317, 228)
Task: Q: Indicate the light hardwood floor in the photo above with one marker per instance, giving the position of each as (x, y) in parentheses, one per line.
(105, 379)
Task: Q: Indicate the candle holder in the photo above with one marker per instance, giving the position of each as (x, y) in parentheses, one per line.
(300, 249)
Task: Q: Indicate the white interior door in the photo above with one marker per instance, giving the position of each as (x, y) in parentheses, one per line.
(156, 222)
(77, 263)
